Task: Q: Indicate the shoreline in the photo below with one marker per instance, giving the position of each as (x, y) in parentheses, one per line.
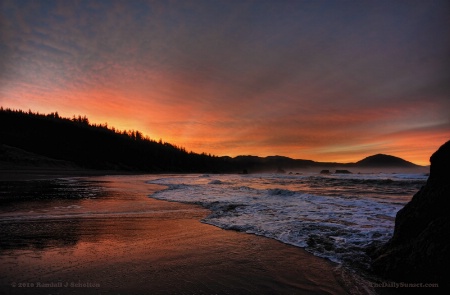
(48, 173)
(171, 252)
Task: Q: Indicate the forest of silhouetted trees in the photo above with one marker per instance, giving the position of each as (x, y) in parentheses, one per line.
(99, 146)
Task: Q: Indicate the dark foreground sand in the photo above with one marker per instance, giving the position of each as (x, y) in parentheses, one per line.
(167, 251)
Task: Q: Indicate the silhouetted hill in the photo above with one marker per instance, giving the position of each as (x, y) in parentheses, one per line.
(52, 140)
(381, 160)
(271, 163)
(97, 146)
(14, 157)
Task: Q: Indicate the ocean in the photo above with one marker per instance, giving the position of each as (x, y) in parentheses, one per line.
(337, 216)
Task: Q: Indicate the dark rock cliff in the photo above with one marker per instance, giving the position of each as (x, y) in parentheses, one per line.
(419, 250)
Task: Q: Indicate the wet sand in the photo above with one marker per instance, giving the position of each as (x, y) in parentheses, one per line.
(34, 173)
(162, 250)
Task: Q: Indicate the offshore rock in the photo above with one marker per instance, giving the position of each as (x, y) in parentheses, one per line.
(419, 251)
(343, 172)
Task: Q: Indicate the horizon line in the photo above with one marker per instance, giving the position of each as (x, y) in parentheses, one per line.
(74, 117)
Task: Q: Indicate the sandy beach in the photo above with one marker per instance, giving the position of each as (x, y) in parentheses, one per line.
(164, 249)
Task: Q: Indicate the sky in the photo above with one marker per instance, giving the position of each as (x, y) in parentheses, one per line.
(319, 80)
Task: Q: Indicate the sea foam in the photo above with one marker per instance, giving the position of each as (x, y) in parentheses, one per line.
(336, 217)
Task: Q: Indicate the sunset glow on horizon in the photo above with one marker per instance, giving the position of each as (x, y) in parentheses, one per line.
(330, 81)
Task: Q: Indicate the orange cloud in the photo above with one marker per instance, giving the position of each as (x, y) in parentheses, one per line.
(296, 79)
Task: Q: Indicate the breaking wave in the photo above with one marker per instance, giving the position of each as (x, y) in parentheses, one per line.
(335, 217)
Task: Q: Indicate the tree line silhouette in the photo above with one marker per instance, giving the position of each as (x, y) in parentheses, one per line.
(98, 146)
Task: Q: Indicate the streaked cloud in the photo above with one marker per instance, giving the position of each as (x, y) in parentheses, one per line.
(326, 80)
